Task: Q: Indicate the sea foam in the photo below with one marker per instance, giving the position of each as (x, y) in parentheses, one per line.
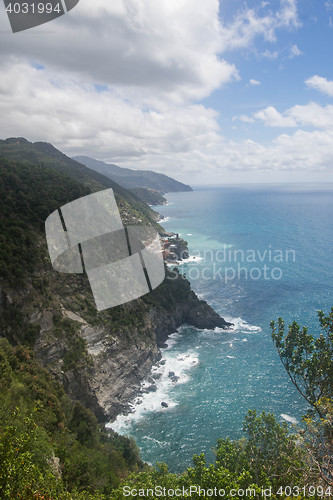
(172, 369)
(288, 418)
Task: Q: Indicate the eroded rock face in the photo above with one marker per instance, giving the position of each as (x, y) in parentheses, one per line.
(119, 367)
(116, 355)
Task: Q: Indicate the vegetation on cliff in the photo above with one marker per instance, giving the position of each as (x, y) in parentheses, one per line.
(51, 445)
(271, 459)
(149, 196)
(41, 154)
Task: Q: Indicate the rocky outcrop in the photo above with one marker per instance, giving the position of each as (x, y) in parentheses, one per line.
(102, 358)
(195, 312)
(120, 365)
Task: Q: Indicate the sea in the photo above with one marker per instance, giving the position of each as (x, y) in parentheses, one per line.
(257, 253)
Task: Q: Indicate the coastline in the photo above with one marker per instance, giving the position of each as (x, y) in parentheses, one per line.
(193, 312)
(117, 347)
(120, 366)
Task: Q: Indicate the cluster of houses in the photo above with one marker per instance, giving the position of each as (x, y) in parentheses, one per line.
(174, 248)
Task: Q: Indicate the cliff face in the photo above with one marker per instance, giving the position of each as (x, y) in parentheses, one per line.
(99, 357)
(119, 347)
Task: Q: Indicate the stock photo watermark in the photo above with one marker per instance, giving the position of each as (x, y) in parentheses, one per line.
(228, 264)
(24, 15)
(122, 263)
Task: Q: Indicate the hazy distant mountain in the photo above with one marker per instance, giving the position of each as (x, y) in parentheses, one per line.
(149, 196)
(134, 178)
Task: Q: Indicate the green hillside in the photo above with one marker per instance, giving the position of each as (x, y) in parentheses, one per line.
(51, 445)
(149, 196)
(135, 178)
(133, 210)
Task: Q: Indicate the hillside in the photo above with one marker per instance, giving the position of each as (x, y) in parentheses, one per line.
(135, 178)
(64, 367)
(60, 359)
(149, 196)
(133, 209)
(28, 194)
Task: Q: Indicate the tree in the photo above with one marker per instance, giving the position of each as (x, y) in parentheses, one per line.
(309, 364)
(307, 359)
(269, 453)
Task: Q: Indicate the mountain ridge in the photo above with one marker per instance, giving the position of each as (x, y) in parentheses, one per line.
(132, 209)
(131, 178)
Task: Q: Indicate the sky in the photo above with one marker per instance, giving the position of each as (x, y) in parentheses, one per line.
(209, 92)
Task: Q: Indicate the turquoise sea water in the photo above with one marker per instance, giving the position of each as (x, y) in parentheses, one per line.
(261, 253)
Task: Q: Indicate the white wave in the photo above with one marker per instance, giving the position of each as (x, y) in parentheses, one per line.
(173, 369)
(153, 440)
(191, 259)
(231, 357)
(288, 418)
(189, 234)
(240, 325)
(173, 338)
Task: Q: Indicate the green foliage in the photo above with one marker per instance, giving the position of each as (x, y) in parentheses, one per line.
(24, 452)
(39, 426)
(54, 161)
(149, 196)
(267, 457)
(83, 424)
(271, 452)
(307, 359)
(28, 194)
(126, 316)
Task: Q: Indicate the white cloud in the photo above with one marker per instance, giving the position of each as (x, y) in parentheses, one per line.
(329, 5)
(243, 118)
(313, 115)
(156, 59)
(182, 141)
(254, 82)
(42, 105)
(273, 118)
(222, 160)
(249, 24)
(294, 52)
(320, 83)
(309, 115)
(169, 49)
(270, 55)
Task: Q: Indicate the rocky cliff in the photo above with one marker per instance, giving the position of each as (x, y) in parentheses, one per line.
(102, 358)
(99, 357)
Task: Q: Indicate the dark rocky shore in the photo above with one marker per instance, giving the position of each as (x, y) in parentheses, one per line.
(119, 358)
(102, 358)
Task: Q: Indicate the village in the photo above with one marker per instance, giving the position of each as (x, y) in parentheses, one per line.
(174, 247)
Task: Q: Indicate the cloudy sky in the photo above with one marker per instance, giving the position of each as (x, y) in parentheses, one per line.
(209, 92)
